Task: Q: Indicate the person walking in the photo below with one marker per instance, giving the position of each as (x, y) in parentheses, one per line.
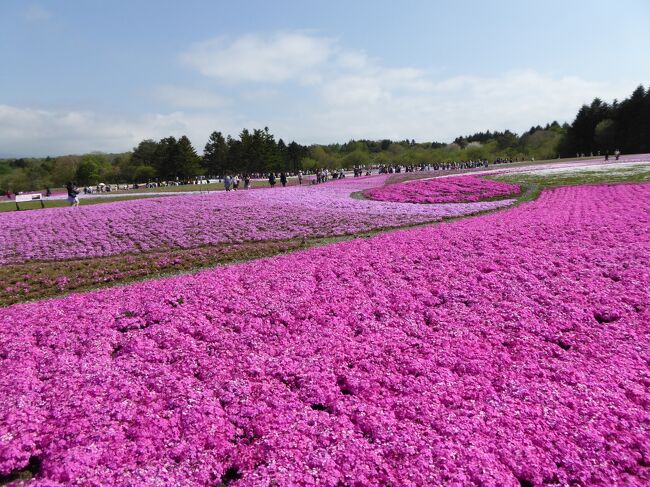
(283, 179)
(235, 182)
(300, 177)
(272, 179)
(247, 182)
(73, 194)
(227, 182)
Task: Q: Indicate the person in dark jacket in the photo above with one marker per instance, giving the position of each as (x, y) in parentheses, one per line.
(283, 179)
(73, 194)
(272, 179)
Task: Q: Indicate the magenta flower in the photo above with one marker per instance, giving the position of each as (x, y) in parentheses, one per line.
(459, 189)
(506, 349)
(217, 218)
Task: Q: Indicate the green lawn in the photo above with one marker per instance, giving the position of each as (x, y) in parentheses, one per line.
(612, 174)
(168, 189)
(208, 187)
(36, 205)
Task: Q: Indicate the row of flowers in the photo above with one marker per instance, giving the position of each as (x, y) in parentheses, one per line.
(508, 349)
(36, 280)
(460, 189)
(195, 220)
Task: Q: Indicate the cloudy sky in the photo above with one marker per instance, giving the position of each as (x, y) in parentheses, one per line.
(83, 75)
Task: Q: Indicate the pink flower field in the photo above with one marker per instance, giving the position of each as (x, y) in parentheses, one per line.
(459, 189)
(191, 221)
(506, 349)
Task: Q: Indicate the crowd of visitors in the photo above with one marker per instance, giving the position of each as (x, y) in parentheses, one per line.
(108, 188)
(436, 166)
(231, 183)
(317, 176)
(322, 175)
(617, 154)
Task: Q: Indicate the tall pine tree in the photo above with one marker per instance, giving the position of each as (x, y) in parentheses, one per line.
(215, 155)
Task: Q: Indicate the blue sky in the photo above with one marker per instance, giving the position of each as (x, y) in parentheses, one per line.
(77, 76)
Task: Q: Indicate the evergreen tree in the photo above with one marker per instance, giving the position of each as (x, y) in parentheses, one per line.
(272, 157)
(599, 126)
(250, 157)
(235, 156)
(295, 154)
(604, 135)
(143, 154)
(284, 154)
(215, 155)
(188, 163)
(164, 158)
(631, 122)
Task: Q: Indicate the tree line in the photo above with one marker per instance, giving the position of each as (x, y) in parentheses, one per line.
(602, 127)
(597, 128)
(253, 152)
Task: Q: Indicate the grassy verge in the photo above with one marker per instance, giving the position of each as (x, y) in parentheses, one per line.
(135, 194)
(36, 280)
(256, 183)
(6, 206)
(613, 174)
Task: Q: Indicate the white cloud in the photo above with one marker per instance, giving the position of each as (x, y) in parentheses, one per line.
(379, 105)
(179, 97)
(279, 57)
(402, 105)
(36, 13)
(374, 84)
(313, 90)
(355, 90)
(353, 60)
(353, 95)
(30, 132)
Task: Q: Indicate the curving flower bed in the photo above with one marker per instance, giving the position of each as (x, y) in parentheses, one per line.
(460, 189)
(509, 349)
(182, 222)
